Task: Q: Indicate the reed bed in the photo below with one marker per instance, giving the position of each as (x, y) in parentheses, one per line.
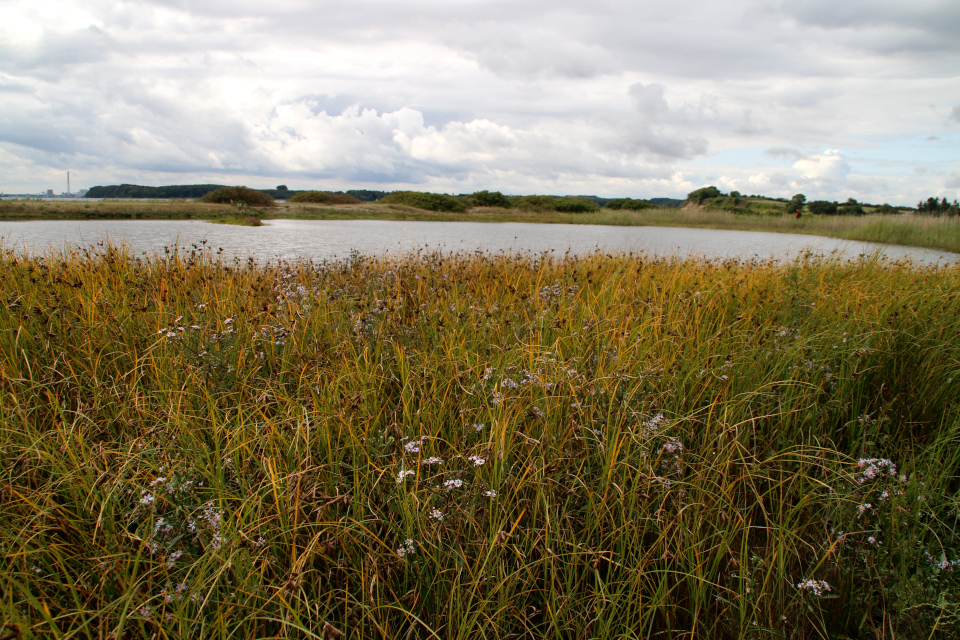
(477, 446)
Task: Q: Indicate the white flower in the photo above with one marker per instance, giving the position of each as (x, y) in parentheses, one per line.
(432, 460)
(436, 514)
(453, 484)
(490, 494)
(413, 446)
(402, 475)
(819, 587)
(477, 460)
(407, 548)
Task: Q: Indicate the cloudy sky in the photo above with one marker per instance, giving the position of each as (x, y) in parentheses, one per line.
(858, 98)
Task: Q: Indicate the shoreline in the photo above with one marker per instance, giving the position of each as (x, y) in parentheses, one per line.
(926, 232)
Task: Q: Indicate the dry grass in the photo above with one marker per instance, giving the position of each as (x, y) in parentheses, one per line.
(630, 448)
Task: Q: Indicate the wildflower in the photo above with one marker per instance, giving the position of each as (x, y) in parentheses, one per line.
(172, 559)
(673, 446)
(477, 461)
(819, 587)
(146, 498)
(872, 540)
(436, 514)
(145, 612)
(874, 468)
(478, 426)
(490, 494)
(863, 507)
(432, 460)
(402, 475)
(413, 446)
(453, 484)
(406, 549)
(260, 542)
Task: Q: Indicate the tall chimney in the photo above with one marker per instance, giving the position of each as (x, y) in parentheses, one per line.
(68, 183)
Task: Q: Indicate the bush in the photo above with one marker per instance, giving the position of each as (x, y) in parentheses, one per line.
(323, 197)
(575, 205)
(540, 203)
(422, 200)
(796, 203)
(486, 199)
(700, 195)
(629, 203)
(851, 208)
(550, 203)
(823, 208)
(239, 195)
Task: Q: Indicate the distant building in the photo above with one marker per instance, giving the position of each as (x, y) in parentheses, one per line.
(50, 192)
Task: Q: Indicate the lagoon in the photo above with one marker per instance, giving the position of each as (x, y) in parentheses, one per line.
(333, 239)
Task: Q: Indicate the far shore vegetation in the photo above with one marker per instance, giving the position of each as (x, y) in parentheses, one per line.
(934, 223)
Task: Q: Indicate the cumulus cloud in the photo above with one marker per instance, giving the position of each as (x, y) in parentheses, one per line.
(952, 181)
(829, 165)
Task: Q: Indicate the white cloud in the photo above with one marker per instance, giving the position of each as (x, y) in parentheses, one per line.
(829, 165)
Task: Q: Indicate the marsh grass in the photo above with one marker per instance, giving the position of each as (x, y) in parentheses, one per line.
(477, 446)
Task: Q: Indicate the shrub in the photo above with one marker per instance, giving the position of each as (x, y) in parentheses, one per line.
(850, 208)
(422, 200)
(551, 203)
(323, 197)
(541, 203)
(629, 203)
(823, 208)
(239, 195)
(487, 199)
(575, 205)
(796, 203)
(700, 195)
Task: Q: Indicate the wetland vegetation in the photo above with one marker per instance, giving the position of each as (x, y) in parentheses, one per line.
(477, 446)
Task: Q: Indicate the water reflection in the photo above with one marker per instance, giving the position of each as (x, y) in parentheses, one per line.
(329, 239)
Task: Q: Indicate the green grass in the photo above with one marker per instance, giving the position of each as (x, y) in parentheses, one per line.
(210, 449)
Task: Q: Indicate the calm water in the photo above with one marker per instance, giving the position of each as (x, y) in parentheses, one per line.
(325, 239)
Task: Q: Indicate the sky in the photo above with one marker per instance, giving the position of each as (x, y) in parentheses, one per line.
(631, 98)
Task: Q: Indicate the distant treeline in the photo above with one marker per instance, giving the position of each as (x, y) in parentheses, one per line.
(479, 198)
(712, 198)
(200, 190)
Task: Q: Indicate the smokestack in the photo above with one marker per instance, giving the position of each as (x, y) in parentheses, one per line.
(68, 183)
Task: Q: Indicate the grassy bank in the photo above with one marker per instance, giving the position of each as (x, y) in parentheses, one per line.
(128, 210)
(478, 447)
